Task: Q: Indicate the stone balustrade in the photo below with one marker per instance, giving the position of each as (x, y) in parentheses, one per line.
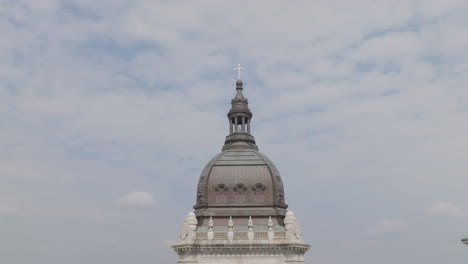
(268, 233)
(241, 237)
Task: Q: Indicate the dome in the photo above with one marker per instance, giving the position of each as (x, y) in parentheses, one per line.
(240, 181)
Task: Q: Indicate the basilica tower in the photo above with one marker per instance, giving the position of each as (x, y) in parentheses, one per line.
(240, 213)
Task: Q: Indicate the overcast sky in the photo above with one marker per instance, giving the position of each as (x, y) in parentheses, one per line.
(110, 109)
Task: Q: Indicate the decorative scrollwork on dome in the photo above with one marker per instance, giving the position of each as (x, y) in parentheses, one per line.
(280, 197)
(240, 188)
(201, 190)
(280, 189)
(221, 188)
(259, 188)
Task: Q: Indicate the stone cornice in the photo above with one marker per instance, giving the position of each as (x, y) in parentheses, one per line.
(240, 248)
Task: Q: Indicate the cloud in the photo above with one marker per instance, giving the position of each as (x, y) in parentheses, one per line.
(84, 214)
(124, 91)
(165, 244)
(444, 208)
(143, 199)
(387, 226)
(10, 210)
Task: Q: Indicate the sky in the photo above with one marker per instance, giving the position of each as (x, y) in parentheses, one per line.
(109, 110)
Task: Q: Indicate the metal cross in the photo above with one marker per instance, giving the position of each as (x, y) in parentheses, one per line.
(239, 69)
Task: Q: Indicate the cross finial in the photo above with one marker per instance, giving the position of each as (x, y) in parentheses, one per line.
(239, 69)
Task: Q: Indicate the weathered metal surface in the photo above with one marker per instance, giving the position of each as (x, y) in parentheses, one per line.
(254, 172)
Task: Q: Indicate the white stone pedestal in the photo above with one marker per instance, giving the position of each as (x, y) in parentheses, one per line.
(241, 254)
